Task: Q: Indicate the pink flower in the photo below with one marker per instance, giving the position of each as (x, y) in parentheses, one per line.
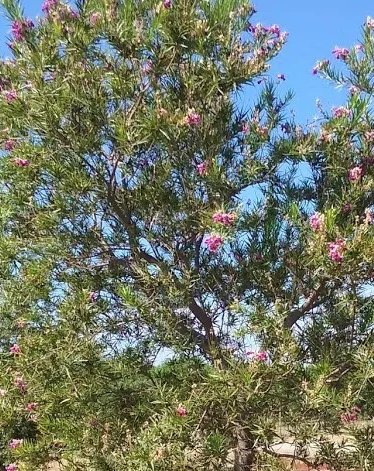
(261, 356)
(281, 77)
(9, 144)
(354, 90)
(22, 162)
(49, 5)
(359, 48)
(11, 467)
(15, 443)
(92, 296)
(3, 392)
(340, 53)
(193, 119)
(369, 135)
(181, 411)
(350, 416)
(223, 218)
(202, 169)
(15, 349)
(20, 28)
(214, 242)
(320, 65)
(341, 112)
(317, 221)
(95, 18)
(370, 22)
(167, 4)
(20, 384)
(355, 173)
(336, 250)
(245, 127)
(10, 95)
(31, 406)
(369, 216)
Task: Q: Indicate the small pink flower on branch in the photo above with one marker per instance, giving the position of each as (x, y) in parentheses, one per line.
(370, 22)
(20, 384)
(341, 112)
(21, 162)
(192, 119)
(341, 53)
(317, 221)
(227, 219)
(15, 443)
(20, 28)
(336, 250)
(11, 467)
(355, 173)
(95, 18)
(202, 169)
(214, 242)
(320, 65)
(369, 216)
(9, 144)
(167, 4)
(181, 411)
(10, 95)
(15, 349)
(31, 406)
(369, 135)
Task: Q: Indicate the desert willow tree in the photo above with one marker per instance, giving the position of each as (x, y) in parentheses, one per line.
(128, 162)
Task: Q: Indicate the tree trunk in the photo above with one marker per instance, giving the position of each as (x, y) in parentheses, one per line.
(244, 453)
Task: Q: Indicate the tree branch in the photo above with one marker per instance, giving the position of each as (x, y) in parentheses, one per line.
(311, 302)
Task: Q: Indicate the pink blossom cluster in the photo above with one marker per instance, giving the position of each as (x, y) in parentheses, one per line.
(15, 349)
(20, 384)
(369, 135)
(355, 173)
(223, 218)
(261, 30)
(369, 216)
(15, 443)
(320, 65)
(31, 406)
(341, 53)
(181, 411)
(20, 28)
(49, 5)
(214, 242)
(317, 221)
(167, 4)
(92, 296)
(202, 169)
(11, 467)
(9, 144)
(350, 416)
(258, 356)
(21, 162)
(10, 95)
(94, 19)
(336, 250)
(341, 112)
(193, 119)
(353, 90)
(370, 22)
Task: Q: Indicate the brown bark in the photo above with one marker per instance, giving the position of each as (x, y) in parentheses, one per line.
(245, 451)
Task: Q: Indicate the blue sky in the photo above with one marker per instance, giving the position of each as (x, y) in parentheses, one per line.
(314, 27)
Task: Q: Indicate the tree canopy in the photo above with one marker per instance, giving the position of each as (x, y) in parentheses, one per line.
(147, 210)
